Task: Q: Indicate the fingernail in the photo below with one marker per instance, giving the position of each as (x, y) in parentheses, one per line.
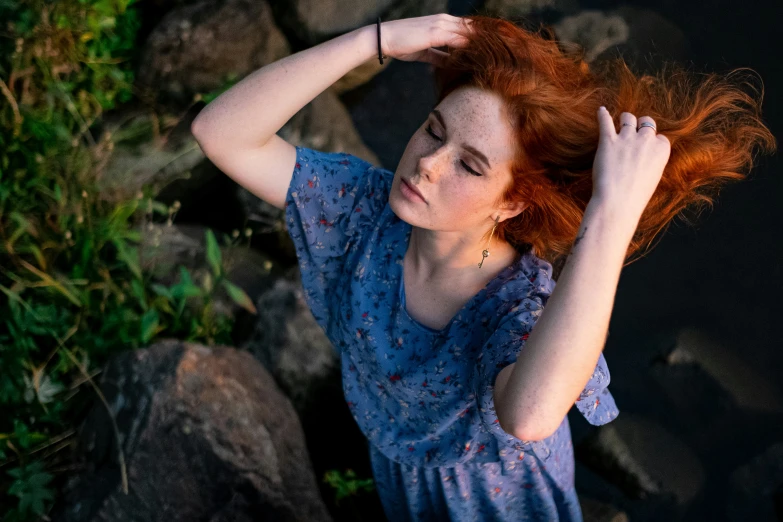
(602, 108)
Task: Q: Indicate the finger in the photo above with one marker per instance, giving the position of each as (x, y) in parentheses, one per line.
(605, 123)
(646, 129)
(627, 124)
(458, 40)
(463, 25)
(451, 39)
(665, 140)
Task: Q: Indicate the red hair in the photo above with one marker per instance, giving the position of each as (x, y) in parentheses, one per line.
(553, 95)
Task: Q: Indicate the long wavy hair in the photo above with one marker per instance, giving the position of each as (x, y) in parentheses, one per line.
(553, 95)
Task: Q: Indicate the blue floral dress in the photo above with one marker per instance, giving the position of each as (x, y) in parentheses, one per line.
(423, 397)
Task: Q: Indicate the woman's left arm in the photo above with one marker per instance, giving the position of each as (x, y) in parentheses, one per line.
(534, 394)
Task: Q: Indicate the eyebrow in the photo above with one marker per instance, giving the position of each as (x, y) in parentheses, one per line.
(473, 150)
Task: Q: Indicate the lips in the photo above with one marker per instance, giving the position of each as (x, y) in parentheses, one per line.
(414, 189)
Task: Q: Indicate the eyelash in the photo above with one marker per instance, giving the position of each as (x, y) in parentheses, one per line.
(465, 165)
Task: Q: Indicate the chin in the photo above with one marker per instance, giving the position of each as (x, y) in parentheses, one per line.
(403, 208)
(400, 209)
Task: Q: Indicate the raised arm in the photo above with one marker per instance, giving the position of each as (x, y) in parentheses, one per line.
(237, 130)
(534, 394)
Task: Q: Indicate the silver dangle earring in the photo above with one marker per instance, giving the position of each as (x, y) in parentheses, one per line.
(485, 253)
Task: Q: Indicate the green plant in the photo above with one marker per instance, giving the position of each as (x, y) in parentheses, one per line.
(346, 484)
(30, 485)
(228, 82)
(72, 289)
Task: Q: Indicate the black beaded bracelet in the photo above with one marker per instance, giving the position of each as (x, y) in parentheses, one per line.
(380, 56)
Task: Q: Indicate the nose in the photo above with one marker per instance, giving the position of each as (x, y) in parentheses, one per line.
(431, 165)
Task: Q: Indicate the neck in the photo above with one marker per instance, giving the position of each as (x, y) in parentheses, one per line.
(440, 255)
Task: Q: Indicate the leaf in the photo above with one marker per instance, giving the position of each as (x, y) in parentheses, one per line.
(213, 253)
(123, 212)
(22, 433)
(162, 291)
(149, 325)
(185, 288)
(49, 281)
(164, 304)
(41, 386)
(31, 488)
(137, 290)
(47, 389)
(130, 255)
(38, 256)
(239, 296)
(160, 208)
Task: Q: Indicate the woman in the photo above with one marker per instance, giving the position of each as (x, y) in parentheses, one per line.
(429, 280)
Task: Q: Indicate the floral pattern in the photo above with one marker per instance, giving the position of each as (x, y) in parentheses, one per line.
(424, 397)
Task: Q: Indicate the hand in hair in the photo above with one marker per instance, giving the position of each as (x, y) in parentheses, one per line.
(414, 39)
(628, 164)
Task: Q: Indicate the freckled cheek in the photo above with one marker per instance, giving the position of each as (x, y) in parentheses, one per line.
(459, 199)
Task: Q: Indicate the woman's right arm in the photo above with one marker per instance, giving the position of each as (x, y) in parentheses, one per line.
(237, 130)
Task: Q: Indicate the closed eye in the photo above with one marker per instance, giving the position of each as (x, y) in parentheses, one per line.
(428, 128)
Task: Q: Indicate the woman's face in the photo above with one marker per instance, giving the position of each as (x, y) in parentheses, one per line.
(459, 160)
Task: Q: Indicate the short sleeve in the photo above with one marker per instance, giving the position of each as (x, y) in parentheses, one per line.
(500, 350)
(595, 402)
(332, 199)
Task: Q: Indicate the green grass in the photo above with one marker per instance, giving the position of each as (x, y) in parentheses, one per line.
(72, 290)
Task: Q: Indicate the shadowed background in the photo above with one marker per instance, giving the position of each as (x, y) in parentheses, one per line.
(693, 347)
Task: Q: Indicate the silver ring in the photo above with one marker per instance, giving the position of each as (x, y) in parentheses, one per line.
(646, 124)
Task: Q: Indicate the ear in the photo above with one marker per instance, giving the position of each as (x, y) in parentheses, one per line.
(513, 209)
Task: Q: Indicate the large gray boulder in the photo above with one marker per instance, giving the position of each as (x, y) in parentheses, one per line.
(206, 435)
(143, 149)
(293, 348)
(756, 488)
(645, 461)
(315, 21)
(199, 47)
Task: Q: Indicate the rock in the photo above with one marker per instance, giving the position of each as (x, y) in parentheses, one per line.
(637, 34)
(146, 150)
(206, 435)
(643, 459)
(314, 21)
(413, 8)
(756, 489)
(200, 47)
(596, 511)
(360, 75)
(593, 30)
(652, 39)
(747, 387)
(516, 9)
(325, 124)
(305, 365)
(293, 347)
(641, 36)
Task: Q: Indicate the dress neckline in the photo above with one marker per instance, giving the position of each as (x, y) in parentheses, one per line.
(401, 287)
